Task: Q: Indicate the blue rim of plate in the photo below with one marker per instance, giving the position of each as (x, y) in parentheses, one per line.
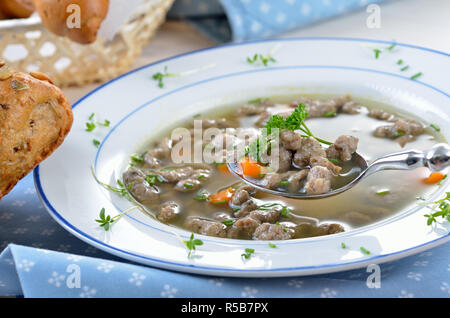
(154, 261)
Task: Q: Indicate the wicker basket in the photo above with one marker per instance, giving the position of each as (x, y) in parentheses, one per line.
(28, 46)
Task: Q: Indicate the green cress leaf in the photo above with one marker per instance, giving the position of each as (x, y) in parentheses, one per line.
(416, 76)
(136, 159)
(92, 123)
(228, 222)
(439, 208)
(202, 195)
(151, 179)
(377, 53)
(364, 250)
(160, 76)
(264, 59)
(332, 160)
(192, 243)
(404, 68)
(106, 220)
(188, 185)
(391, 47)
(96, 142)
(90, 126)
(442, 180)
(435, 127)
(255, 101)
(248, 253)
(398, 134)
(329, 114)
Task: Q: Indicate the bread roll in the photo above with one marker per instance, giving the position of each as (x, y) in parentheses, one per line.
(55, 15)
(16, 8)
(35, 117)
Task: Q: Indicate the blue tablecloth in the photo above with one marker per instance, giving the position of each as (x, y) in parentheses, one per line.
(48, 257)
(241, 20)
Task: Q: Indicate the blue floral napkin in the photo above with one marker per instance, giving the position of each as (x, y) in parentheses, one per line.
(241, 20)
(50, 262)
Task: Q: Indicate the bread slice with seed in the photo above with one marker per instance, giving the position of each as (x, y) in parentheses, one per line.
(35, 117)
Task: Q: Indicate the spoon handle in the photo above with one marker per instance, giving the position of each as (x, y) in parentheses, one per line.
(436, 158)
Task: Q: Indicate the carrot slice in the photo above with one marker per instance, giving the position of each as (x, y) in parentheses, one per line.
(222, 167)
(222, 196)
(434, 177)
(250, 167)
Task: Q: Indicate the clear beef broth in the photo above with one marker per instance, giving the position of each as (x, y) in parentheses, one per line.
(357, 207)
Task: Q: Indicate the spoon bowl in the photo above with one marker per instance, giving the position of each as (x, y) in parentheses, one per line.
(436, 159)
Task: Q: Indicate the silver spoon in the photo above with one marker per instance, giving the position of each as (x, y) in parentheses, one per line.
(436, 158)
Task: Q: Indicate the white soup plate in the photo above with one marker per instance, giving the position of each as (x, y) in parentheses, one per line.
(138, 109)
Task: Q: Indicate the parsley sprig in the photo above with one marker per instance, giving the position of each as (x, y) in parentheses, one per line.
(276, 123)
(295, 121)
(191, 244)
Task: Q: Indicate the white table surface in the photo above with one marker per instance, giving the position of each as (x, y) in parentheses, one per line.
(419, 22)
